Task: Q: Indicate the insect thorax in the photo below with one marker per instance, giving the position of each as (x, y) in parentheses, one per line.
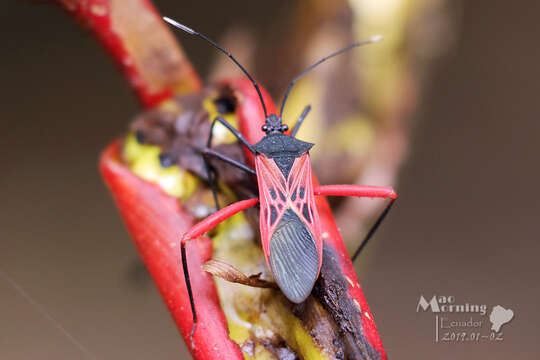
(283, 149)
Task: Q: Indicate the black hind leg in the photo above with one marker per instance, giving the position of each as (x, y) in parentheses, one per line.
(372, 230)
(190, 292)
(235, 132)
(210, 170)
(212, 177)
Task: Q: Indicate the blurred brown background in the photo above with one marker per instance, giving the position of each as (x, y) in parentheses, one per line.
(466, 223)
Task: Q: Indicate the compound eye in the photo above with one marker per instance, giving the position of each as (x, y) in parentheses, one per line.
(284, 127)
(264, 128)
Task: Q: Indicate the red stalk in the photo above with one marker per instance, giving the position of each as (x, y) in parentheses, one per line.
(134, 34)
(155, 222)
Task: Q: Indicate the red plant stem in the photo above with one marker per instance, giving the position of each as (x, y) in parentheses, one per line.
(334, 239)
(140, 43)
(155, 222)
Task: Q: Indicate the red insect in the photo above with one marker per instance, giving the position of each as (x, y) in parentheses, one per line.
(289, 221)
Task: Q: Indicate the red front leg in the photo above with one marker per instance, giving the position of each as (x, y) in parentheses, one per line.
(361, 191)
(197, 230)
(217, 218)
(355, 190)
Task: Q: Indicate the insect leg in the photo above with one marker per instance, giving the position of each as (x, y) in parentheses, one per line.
(305, 112)
(355, 190)
(361, 191)
(212, 180)
(371, 231)
(200, 228)
(235, 132)
(212, 175)
(228, 160)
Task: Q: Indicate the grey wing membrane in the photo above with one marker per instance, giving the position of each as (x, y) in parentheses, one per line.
(294, 257)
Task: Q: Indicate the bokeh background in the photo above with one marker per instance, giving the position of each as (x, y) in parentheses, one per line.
(466, 224)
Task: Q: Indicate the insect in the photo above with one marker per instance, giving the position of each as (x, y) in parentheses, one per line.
(289, 222)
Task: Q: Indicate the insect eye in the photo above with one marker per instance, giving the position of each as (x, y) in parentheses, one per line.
(284, 127)
(264, 128)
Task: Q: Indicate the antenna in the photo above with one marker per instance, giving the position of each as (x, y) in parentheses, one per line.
(371, 40)
(193, 32)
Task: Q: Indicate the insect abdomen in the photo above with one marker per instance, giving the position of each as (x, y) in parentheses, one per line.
(294, 257)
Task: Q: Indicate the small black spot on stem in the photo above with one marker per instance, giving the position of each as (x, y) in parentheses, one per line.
(166, 160)
(225, 105)
(140, 136)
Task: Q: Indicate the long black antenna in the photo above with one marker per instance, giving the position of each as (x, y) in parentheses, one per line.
(371, 40)
(193, 32)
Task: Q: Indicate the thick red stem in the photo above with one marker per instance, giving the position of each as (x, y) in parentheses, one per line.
(156, 222)
(140, 43)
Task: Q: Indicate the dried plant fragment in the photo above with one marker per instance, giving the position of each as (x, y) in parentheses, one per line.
(228, 272)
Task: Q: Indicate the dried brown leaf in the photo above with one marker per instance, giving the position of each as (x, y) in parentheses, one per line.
(228, 272)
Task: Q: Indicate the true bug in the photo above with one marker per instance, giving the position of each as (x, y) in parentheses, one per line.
(290, 233)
